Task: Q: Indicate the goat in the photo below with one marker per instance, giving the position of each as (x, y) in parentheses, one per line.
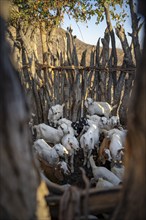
(94, 118)
(104, 152)
(55, 173)
(50, 134)
(121, 133)
(68, 123)
(116, 147)
(64, 120)
(99, 108)
(118, 170)
(55, 113)
(47, 153)
(72, 145)
(102, 172)
(114, 121)
(88, 141)
(78, 126)
(103, 184)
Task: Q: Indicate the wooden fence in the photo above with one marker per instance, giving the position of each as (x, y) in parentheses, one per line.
(72, 85)
(54, 71)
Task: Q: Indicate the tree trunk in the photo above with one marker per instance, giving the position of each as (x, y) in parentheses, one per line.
(128, 59)
(113, 57)
(18, 173)
(132, 204)
(135, 31)
(124, 84)
(105, 58)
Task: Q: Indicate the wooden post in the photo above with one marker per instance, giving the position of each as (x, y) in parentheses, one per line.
(18, 174)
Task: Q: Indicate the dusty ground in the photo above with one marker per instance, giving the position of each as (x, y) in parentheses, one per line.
(76, 179)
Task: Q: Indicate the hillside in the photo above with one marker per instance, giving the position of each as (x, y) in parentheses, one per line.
(57, 40)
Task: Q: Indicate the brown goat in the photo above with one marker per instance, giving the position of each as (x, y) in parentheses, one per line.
(102, 155)
(53, 173)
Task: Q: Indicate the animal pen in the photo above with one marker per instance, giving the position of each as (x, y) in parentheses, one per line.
(56, 77)
(72, 85)
(54, 70)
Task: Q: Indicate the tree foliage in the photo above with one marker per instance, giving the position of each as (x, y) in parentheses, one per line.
(49, 11)
(52, 11)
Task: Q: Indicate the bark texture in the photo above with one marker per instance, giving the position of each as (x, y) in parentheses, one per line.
(133, 201)
(18, 173)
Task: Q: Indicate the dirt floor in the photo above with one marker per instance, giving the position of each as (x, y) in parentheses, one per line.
(76, 179)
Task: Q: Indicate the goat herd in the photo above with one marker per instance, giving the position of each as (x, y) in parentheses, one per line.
(58, 144)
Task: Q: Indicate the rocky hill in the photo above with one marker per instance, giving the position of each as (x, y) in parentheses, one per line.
(58, 39)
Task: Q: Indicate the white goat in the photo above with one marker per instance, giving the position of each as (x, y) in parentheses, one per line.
(49, 159)
(103, 184)
(118, 171)
(94, 118)
(104, 124)
(88, 141)
(49, 154)
(116, 147)
(102, 172)
(50, 134)
(99, 108)
(72, 145)
(64, 167)
(64, 120)
(101, 122)
(109, 124)
(117, 144)
(55, 113)
(121, 133)
(68, 123)
(114, 121)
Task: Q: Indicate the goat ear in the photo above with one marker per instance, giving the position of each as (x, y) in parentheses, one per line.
(63, 104)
